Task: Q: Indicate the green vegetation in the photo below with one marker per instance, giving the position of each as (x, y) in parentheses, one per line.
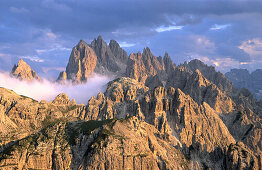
(142, 155)
(49, 121)
(30, 142)
(68, 109)
(85, 128)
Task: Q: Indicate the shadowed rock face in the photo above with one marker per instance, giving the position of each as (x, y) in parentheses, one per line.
(24, 72)
(145, 66)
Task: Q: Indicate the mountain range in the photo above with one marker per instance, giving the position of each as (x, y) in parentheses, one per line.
(153, 115)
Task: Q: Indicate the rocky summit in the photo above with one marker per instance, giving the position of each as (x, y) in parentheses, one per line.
(154, 115)
(98, 58)
(24, 72)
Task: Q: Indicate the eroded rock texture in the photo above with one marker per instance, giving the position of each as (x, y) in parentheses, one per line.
(98, 58)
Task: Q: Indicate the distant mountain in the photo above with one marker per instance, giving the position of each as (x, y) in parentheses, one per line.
(243, 79)
(24, 72)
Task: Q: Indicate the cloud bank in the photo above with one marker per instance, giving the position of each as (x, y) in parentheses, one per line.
(47, 90)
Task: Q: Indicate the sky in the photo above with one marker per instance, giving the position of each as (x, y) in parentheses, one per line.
(225, 34)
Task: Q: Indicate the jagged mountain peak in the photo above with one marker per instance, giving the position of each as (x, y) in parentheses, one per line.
(21, 62)
(63, 99)
(81, 64)
(99, 41)
(98, 57)
(82, 42)
(147, 52)
(24, 72)
(114, 43)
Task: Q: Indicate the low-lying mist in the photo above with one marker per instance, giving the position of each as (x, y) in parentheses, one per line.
(46, 90)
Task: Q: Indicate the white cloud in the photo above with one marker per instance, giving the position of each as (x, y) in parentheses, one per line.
(216, 27)
(47, 90)
(125, 44)
(33, 58)
(168, 28)
(243, 63)
(253, 47)
(201, 45)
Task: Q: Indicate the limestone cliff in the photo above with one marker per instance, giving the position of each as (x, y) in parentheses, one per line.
(98, 58)
(177, 132)
(24, 72)
(81, 65)
(145, 66)
(111, 58)
(21, 115)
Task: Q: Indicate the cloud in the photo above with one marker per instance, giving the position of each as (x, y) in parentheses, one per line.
(253, 47)
(216, 27)
(47, 90)
(168, 28)
(51, 35)
(33, 58)
(125, 44)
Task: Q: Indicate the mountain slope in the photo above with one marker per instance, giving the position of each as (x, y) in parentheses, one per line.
(166, 121)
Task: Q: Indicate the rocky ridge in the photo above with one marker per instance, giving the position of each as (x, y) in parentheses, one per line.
(177, 131)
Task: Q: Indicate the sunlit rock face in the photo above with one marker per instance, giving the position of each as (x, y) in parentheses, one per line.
(81, 65)
(176, 131)
(97, 58)
(24, 72)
